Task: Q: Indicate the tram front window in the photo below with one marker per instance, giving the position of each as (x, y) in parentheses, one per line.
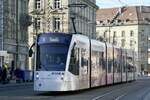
(51, 57)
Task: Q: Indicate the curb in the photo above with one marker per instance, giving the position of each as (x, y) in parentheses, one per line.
(15, 84)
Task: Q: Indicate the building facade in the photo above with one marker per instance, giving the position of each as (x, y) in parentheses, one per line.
(57, 15)
(127, 27)
(13, 33)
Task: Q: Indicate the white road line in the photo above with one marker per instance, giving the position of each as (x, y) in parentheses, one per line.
(119, 97)
(98, 97)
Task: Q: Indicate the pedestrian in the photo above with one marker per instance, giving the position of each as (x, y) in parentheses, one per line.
(17, 73)
(12, 70)
(4, 74)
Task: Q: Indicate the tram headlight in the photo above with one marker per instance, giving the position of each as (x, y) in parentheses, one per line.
(37, 76)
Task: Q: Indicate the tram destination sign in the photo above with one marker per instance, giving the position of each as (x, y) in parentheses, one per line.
(49, 39)
(53, 39)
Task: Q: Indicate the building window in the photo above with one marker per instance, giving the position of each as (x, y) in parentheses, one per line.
(37, 23)
(37, 4)
(56, 4)
(123, 43)
(131, 33)
(131, 43)
(115, 42)
(104, 35)
(123, 34)
(114, 35)
(100, 22)
(56, 24)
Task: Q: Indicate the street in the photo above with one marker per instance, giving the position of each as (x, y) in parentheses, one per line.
(137, 90)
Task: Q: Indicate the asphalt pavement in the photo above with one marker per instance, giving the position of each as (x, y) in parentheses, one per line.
(136, 90)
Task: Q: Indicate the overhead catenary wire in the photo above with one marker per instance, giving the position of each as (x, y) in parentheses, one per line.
(123, 3)
(102, 3)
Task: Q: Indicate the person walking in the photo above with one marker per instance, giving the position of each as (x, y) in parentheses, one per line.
(12, 70)
(4, 74)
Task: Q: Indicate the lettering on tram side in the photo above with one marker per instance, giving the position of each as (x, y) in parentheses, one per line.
(57, 73)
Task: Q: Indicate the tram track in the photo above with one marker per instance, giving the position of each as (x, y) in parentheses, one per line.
(142, 90)
(110, 92)
(137, 90)
(128, 92)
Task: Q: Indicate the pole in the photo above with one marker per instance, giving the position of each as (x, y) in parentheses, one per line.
(2, 37)
(72, 19)
(147, 52)
(17, 33)
(109, 33)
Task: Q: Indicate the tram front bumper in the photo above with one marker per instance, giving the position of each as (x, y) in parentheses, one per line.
(48, 85)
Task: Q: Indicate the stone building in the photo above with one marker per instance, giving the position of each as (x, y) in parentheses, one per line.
(13, 33)
(55, 16)
(127, 27)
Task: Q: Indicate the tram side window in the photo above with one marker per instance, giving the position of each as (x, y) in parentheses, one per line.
(110, 60)
(74, 61)
(117, 61)
(109, 66)
(104, 61)
(97, 60)
(101, 61)
(119, 64)
(84, 58)
(124, 64)
(130, 67)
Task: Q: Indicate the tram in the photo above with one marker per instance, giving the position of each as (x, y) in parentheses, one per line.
(70, 62)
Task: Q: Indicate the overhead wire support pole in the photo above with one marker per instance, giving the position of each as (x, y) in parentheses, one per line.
(17, 38)
(73, 18)
(121, 10)
(73, 22)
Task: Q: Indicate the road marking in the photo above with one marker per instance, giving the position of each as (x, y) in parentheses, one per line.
(119, 97)
(109, 92)
(96, 98)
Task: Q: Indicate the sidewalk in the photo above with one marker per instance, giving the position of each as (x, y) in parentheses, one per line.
(13, 83)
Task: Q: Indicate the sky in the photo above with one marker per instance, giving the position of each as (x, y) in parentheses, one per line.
(118, 3)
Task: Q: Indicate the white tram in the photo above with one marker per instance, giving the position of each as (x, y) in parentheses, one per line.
(69, 62)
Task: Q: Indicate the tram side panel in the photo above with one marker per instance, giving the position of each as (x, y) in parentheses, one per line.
(109, 64)
(130, 65)
(84, 74)
(97, 71)
(103, 74)
(117, 65)
(135, 65)
(72, 74)
(83, 45)
(124, 65)
(78, 64)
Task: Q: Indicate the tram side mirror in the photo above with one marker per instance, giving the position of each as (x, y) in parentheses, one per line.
(30, 52)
